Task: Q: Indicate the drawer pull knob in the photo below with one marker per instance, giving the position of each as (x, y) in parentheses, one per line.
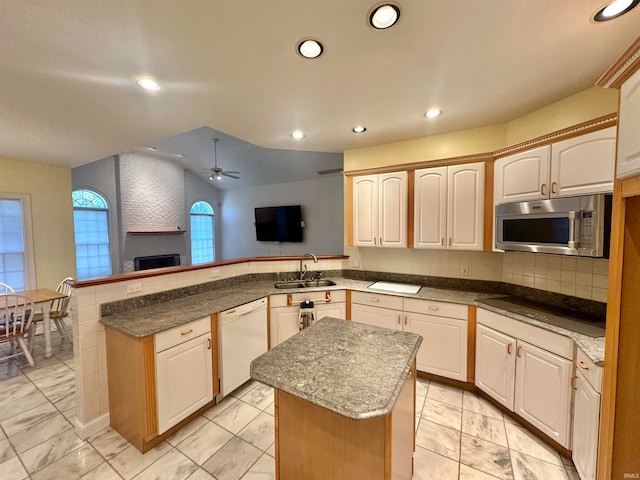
(375, 299)
(187, 332)
(399, 319)
(434, 308)
(582, 365)
(509, 348)
(519, 351)
(573, 382)
(208, 344)
(405, 320)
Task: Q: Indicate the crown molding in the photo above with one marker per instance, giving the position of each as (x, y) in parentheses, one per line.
(623, 68)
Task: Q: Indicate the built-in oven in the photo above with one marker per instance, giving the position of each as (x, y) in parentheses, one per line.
(567, 226)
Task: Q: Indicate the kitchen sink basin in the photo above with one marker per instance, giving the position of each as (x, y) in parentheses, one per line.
(319, 283)
(304, 284)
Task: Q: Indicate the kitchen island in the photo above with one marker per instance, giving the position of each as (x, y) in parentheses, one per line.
(344, 401)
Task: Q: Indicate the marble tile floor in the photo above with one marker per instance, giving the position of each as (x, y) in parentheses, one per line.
(459, 436)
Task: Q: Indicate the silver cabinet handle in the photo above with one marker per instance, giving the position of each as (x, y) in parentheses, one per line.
(572, 231)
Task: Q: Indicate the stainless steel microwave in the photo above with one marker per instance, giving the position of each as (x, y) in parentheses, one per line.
(567, 226)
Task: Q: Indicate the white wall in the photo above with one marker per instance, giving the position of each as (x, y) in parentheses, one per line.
(322, 210)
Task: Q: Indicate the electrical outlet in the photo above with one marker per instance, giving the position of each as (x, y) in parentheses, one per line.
(134, 287)
(215, 273)
(464, 270)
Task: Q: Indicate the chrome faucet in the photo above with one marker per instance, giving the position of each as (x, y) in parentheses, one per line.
(303, 269)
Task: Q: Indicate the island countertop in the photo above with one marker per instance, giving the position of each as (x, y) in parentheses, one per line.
(350, 368)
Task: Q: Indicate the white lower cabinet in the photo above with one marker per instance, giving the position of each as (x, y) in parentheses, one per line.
(184, 380)
(283, 318)
(533, 382)
(586, 416)
(443, 327)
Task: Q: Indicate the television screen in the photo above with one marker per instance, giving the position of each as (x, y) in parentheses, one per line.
(279, 224)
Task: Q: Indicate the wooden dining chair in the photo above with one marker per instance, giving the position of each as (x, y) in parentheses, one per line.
(4, 288)
(57, 313)
(16, 316)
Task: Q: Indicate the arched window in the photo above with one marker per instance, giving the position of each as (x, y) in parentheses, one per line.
(201, 233)
(91, 223)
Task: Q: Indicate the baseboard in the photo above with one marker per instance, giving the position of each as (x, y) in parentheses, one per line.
(85, 430)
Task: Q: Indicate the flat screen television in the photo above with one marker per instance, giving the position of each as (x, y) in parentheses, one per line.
(279, 224)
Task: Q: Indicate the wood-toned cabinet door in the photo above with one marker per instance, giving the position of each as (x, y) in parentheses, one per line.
(444, 344)
(495, 364)
(628, 128)
(522, 176)
(380, 317)
(584, 165)
(465, 206)
(430, 207)
(586, 418)
(543, 391)
(283, 323)
(365, 211)
(392, 209)
(184, 380)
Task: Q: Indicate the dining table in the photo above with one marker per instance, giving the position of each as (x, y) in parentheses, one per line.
(42, 298)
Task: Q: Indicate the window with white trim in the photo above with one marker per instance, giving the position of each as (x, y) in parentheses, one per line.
(202, 237)
(91, 224)
(16, 244)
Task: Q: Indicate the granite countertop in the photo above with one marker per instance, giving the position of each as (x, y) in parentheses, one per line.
(350, 368)
(586, 332)
(149, 320)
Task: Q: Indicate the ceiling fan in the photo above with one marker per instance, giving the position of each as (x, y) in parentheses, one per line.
(217, 173)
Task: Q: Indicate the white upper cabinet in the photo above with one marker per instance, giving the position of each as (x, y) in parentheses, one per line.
(576, 166)
(449, 207)
(584, 164)
(523, 176)
(380, 210)
(629, 126)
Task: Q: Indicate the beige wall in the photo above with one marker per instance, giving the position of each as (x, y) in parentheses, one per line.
(49, 188)
(581, 107)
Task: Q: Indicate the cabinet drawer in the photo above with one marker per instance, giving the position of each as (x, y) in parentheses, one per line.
(182, 333)
(281, 300)
(591, 371)
(438, 309)
(550, 341)
(377, 300)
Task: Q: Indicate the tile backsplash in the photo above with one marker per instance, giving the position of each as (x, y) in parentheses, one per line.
(575, 276)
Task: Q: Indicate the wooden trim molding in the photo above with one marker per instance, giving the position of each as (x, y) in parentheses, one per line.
(623, 68)
(349, 211)
(583, 128)
(487, 243)
(471, 343)
(214, 353)
(410, 207)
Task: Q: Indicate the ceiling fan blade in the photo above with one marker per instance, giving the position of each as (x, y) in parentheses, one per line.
(226, 174)
(235, 172)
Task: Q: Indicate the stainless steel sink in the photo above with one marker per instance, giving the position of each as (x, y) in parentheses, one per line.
(304, 284)
(287, 285)
(319, 283)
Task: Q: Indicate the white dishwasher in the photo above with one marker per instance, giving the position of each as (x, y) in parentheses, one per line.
(243, 337)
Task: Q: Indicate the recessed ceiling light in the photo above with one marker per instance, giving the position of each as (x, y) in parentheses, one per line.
(359, 129)
(434, 112)
(297, 134)
(148, 83)
(310, 48)
(384, 16)
(614, 9)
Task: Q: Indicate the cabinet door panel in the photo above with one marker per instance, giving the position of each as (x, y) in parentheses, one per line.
(335, 310)
(543, 393)
(586, 418)
(522, 176)
(495, 364)
(444, 345)
(629, 126)
(430, 206)
(380, 317)
(465, 206)
(184, 380)
(284, 324)
(584, 164)
(365, 210)
(392, 208)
